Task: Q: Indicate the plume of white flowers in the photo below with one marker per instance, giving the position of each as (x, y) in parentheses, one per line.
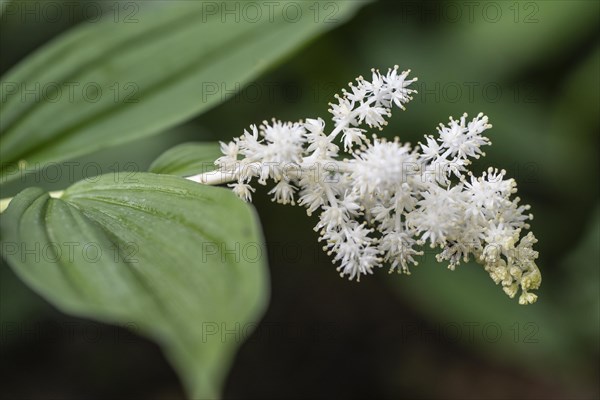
(385, 200)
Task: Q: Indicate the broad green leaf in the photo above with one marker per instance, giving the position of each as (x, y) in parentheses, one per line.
(108, 82)
(177, 261)
(187, 159)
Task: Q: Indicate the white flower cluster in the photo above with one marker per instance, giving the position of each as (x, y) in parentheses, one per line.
(385, 200)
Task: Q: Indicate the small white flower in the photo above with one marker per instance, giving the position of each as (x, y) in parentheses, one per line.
(464, 140)
(243, 190)
(353, 136)
(230, 154)
(382, 167)
(355, 249)
(283, 193)
(342, 112)
(399, 250)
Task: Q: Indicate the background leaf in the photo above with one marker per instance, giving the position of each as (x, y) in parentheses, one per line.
(187, 159)
(178, 261)
(106, 83)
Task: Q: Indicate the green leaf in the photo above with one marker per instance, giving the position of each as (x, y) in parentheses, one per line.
(177, 261)
(187, 159)
(106, 83)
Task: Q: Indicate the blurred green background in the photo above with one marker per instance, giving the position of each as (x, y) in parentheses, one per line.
(534, 69)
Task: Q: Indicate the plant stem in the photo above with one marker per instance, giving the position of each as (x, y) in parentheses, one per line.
(212, 178)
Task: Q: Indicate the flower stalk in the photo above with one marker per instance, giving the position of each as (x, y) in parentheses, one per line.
(383, 201)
